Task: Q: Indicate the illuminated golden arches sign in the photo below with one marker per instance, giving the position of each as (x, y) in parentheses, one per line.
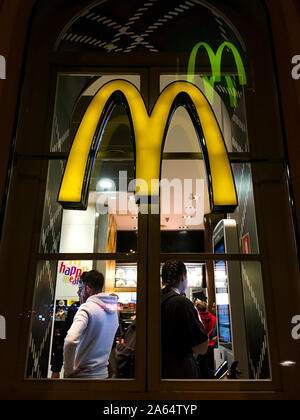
(215, 62)
(149, 133)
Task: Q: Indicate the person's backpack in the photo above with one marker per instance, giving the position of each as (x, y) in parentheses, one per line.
(125, 353)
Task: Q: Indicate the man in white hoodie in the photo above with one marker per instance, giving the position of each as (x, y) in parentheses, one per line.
(89, 340)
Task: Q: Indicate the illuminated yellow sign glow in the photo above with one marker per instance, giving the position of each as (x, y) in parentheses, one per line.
(149, 133)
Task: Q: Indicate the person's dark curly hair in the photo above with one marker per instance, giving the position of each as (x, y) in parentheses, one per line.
(93, 279)
(171, 274)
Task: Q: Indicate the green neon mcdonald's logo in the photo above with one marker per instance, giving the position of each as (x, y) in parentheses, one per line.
(216, 61)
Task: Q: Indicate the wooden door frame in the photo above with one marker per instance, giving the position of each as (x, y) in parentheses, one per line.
(38, 75)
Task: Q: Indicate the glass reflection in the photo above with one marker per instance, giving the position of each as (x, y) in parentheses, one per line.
(68, 320)
(230, 305)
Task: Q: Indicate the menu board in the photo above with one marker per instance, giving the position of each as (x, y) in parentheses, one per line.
(126, 276)
(194, 275)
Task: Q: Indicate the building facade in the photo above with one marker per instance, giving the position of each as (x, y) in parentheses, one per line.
(137, 133)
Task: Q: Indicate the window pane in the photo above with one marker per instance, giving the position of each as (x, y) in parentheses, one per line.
(53, 212)
(42, 320)
(110, 222)
(151, 27)
(73, 95)
(224, 306)
(68, 89)
(184, 202)
(231, 118)
(187, 223)
(244, 215)
(106, 341)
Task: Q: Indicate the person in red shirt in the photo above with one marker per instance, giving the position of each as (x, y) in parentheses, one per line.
(209, 322)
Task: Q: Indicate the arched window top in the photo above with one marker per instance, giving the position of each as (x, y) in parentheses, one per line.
(149, 26)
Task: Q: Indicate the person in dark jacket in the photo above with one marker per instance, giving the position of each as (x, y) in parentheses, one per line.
(57, 352)
(125, 353)
(182, 333)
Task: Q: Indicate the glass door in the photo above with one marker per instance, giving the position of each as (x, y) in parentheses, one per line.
(220, 252)
(106, 235)
(129, 237)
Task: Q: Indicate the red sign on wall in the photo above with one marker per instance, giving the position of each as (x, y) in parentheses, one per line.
(246, 244)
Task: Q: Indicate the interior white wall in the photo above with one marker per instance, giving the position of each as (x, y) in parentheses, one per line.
(77, 235)
(218, 107)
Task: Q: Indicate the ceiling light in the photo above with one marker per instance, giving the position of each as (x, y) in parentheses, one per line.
(104, 184)
(288, 363)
